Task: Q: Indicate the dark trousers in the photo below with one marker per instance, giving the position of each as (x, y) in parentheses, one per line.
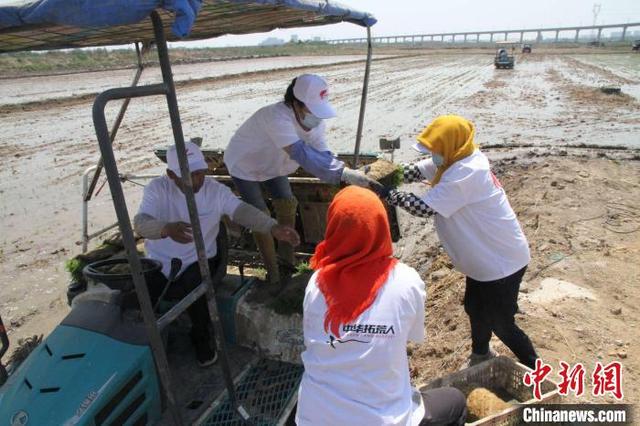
(491, 306)
(201, 329)
(444, 406)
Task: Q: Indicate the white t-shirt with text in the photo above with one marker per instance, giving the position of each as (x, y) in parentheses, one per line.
(256, 153)
(362, 378)
(475, 222)
(164, 201)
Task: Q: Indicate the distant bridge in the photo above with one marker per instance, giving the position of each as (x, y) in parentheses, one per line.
(474, 36)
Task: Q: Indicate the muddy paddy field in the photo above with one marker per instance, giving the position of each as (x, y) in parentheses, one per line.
(567, 154)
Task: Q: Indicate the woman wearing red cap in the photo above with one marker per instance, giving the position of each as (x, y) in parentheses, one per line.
(361, 307)
(478, 229)
(273, 143)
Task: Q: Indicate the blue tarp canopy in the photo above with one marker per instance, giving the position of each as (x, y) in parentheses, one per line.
(59, 24)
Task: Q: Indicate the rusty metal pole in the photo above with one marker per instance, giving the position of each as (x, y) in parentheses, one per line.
(205, 273)
(363, 100)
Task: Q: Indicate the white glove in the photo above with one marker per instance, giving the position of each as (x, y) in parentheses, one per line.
(356, 177)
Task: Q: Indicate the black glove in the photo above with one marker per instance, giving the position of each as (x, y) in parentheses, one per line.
(381, 190)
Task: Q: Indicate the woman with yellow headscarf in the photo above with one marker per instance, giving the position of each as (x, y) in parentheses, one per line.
(477, 227)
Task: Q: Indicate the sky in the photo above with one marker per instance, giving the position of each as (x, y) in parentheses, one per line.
(428, 16)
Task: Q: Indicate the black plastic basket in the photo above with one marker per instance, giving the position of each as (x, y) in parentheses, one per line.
(124, 282)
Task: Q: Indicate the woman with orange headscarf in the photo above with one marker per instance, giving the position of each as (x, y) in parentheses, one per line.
(361, 307)
(478, 229)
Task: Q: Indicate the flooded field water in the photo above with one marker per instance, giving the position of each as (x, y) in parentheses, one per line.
(45, 147)
(30, 89)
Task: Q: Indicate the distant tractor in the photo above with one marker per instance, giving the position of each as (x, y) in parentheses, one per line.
(505, 55)
(503, 60)
(635, 46)
(526, 48)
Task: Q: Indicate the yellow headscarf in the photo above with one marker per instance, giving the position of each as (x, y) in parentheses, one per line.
(450, 136)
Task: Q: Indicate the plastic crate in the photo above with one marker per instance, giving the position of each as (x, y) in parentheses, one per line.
(506, 375)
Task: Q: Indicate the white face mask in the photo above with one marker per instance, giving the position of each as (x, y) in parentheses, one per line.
(310, 121)
(437, 159)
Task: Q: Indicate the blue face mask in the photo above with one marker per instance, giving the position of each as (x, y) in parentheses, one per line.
(437, 159)
(310, 121)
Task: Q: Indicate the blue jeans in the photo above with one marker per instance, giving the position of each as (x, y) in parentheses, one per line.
(251, 191)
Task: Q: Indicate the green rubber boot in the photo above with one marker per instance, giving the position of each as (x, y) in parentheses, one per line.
(285, 209)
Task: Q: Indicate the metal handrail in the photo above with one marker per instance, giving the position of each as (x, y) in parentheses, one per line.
(88, 193)
(126, 230)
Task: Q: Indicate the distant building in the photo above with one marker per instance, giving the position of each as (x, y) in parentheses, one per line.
(272, 41)
(294, 38)
(317, 39)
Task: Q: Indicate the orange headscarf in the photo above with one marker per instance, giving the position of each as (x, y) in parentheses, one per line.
(354, 259)
(450, 136)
